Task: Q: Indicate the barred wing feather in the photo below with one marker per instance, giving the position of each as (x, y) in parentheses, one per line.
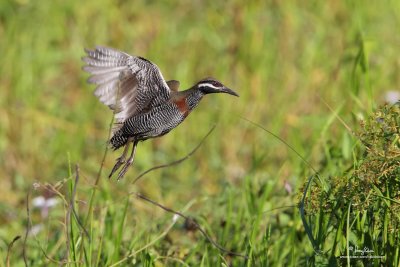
(127, 84)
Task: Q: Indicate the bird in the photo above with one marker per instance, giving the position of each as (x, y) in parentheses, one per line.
(145, 105)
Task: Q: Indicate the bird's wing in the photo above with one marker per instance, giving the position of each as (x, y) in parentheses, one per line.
(127, 84)
(173, 85)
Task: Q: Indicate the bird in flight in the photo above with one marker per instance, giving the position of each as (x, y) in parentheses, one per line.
(144, 104)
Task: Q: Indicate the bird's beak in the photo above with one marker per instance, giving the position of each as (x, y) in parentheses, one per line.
(229, 91)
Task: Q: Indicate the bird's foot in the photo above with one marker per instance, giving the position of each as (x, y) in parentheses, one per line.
(120, 161)
(125, 168)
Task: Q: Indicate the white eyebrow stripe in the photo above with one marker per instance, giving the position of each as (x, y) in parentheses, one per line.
(208, 85)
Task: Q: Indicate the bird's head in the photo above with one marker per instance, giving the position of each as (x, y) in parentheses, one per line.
(210, 85)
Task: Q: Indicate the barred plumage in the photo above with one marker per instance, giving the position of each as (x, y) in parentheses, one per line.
(118, 139)
(144, 104)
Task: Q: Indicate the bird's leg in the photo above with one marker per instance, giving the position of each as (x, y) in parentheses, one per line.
(121, 159)
(129, 162)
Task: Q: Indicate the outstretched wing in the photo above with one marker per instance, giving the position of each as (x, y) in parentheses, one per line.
(127, 84)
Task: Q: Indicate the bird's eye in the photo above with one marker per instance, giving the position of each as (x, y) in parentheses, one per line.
(216, 84)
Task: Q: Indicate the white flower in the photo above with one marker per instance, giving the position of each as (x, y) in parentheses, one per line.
(392, 96)
(44, 204)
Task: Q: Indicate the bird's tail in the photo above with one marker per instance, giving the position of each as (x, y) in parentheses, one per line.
(118, 140)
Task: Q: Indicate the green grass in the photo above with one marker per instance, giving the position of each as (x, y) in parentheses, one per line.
(307, 72)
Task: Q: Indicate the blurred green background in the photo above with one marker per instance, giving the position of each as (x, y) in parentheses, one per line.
(284, 58)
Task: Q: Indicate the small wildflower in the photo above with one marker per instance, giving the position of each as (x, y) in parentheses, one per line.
(392, 96)
(44, 204)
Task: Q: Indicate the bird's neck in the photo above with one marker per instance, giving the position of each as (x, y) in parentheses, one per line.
(192, 97)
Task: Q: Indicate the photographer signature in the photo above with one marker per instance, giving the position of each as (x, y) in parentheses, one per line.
(366, 250)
